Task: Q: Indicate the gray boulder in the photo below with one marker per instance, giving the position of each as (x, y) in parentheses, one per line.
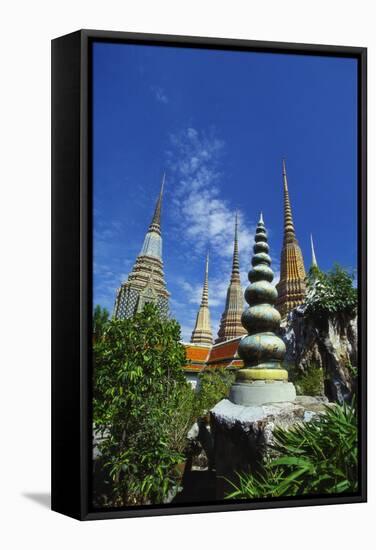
(329, 342)
(242, 435)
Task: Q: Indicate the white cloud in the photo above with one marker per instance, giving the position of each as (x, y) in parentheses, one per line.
(159, 94)
(277, 276)
(205, 219)
(193, 292)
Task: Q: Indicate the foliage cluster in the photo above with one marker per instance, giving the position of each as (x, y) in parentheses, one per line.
(214, 385)
(101, 317)
(143, 406)
(138, 383)
(317, 457)
(307, 382)
(331, 292)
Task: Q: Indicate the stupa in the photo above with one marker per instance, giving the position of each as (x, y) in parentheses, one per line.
(146, 282)
(291, 286)
(202, 333)
(262, 379)
(231, 326)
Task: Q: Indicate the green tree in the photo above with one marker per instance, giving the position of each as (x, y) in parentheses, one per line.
(214, 384)
(331, 292)
(138, 379)
(100, 320)
(309, 381)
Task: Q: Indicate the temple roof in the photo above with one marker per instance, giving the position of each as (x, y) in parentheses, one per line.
(224, 352)
(221, 355)
(197, 356)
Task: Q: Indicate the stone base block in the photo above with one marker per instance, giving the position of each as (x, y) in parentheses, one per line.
(243, 434)
(260, 392)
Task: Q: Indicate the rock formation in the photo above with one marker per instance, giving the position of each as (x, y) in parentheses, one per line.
(329, 342)
(243, 435)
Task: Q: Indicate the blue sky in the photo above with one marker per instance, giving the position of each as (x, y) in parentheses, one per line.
(219, 124)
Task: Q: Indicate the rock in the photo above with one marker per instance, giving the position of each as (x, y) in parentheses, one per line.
(201, 445)
(242, 434)
(193, 432)
(328, 342)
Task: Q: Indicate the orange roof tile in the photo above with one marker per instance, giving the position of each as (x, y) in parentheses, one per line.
(195, 353)
(220, 355)
(224, 350)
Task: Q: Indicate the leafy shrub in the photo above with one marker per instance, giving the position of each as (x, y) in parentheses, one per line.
(138, 382)
(307, 382)
(100, 321)
(353, 369)
(317, 457)
(214, 385)
(184, 409)
(331, 292)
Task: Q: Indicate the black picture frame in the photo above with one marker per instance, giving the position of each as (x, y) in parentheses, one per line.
(72, 269)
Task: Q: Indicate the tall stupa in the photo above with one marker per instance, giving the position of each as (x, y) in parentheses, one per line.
(263, 378)
(231, 325)
(146, 282)
(291, 286)
(202, 333)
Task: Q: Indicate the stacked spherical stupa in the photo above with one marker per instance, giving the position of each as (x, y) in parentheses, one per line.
(262, 380)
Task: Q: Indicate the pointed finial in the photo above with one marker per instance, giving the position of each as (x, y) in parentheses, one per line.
(156, 221)
(261, 220)
(289, 230)
(314, 261)
(205, 288)
(235, 272)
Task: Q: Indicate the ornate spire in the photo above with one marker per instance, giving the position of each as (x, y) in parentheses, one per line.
(205, 289)
(230, 325)
(262, 380)
(146, 282)
(152, 245)
(235, 273)
(314, 261)
(289, 230)
(291, 286)
(156, 221)
(202, 333)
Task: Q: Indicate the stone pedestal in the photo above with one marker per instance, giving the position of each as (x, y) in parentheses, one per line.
(260, 392)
